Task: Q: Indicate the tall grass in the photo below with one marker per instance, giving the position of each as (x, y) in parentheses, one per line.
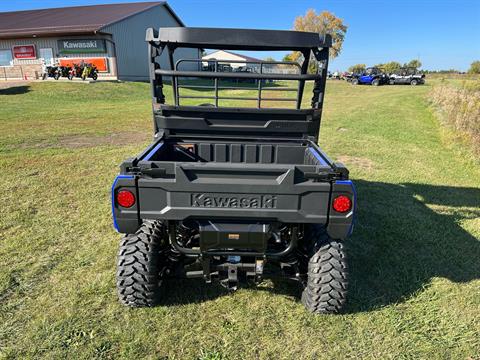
(415, 274)
(460, 108)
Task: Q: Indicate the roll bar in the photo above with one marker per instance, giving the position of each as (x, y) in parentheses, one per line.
(237, 39)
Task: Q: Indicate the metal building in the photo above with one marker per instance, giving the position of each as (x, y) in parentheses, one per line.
(110, 36)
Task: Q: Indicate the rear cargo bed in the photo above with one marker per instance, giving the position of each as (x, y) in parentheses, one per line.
(236, 152)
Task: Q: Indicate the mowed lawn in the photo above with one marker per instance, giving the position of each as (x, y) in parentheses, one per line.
(414, 255)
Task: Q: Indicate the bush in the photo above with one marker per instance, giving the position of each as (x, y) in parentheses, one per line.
(474, 68)
(460, 107)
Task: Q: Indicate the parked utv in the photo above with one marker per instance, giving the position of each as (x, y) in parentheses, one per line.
(234, 194)
(408, 75)
(371, 76)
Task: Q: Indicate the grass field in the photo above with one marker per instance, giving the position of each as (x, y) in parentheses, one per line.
(414, 255)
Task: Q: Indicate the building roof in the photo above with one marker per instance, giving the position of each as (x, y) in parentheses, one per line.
(71, 20)
(243, 57)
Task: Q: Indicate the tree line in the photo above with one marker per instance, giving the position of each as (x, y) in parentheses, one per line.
(393, 66)
(326, 22)
(389, 67)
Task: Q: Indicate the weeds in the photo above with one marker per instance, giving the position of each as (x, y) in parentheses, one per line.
(460, 108)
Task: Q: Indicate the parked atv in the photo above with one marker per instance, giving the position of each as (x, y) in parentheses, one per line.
(245, 70)
(63, 71)
(350, 76)
(51, 71)
(371, 76)
(90, 71)
(408, 75)
(75, 71)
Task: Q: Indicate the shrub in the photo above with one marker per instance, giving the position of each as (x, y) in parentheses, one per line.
(460, 107)
(474, 68)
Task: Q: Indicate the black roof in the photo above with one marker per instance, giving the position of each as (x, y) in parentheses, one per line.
(232, 39)
(71, 20)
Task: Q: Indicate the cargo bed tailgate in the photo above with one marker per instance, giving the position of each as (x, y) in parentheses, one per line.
(255, 191)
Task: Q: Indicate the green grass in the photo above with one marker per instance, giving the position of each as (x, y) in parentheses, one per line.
(414, 255)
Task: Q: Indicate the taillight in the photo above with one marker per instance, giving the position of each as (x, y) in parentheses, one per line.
(342, 204)
(125, 198)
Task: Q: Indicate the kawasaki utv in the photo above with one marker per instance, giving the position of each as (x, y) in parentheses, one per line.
(231, 194)
(371, 76)
(408, 75)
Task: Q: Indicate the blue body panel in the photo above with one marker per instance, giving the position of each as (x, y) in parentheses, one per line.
(354, 191)
(320, 159)
(113, 196)
(365, 79)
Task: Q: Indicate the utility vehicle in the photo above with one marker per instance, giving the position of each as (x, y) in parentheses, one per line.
(408, 75)
(234, 193)
(371, 76)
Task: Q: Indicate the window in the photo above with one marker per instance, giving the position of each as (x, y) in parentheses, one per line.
(47, 55)
(6, 58)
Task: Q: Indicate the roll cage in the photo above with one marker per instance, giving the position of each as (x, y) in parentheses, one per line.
(171, 39)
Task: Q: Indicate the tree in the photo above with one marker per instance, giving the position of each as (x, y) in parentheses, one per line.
(391, 67)
(414, 63)
(269, 58)
(322, 23)
(474, 67)
(357, 69)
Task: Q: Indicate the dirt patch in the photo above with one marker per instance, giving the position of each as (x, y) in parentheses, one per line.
(120, 138)
(360, 162)
(86, 141)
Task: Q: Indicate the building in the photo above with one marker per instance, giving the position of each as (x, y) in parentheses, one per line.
(110, 36)
(243, 63)
(243, 60)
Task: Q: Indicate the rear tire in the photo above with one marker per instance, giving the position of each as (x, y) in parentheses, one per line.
(141, 265)
(355, 82)
(326, 289)
(376, 82)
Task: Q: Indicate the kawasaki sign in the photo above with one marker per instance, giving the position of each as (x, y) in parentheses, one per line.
(80, 46)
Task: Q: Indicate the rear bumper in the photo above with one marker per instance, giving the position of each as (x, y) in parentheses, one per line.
(224, 193)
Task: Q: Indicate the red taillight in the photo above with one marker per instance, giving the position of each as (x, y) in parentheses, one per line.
(125, 198)
(342, 204)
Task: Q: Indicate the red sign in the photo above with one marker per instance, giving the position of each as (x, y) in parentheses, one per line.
(24, 52)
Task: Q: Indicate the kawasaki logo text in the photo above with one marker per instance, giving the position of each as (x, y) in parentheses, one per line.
(234, 201)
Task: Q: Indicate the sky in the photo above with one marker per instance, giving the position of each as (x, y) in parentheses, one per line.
(442, 34)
